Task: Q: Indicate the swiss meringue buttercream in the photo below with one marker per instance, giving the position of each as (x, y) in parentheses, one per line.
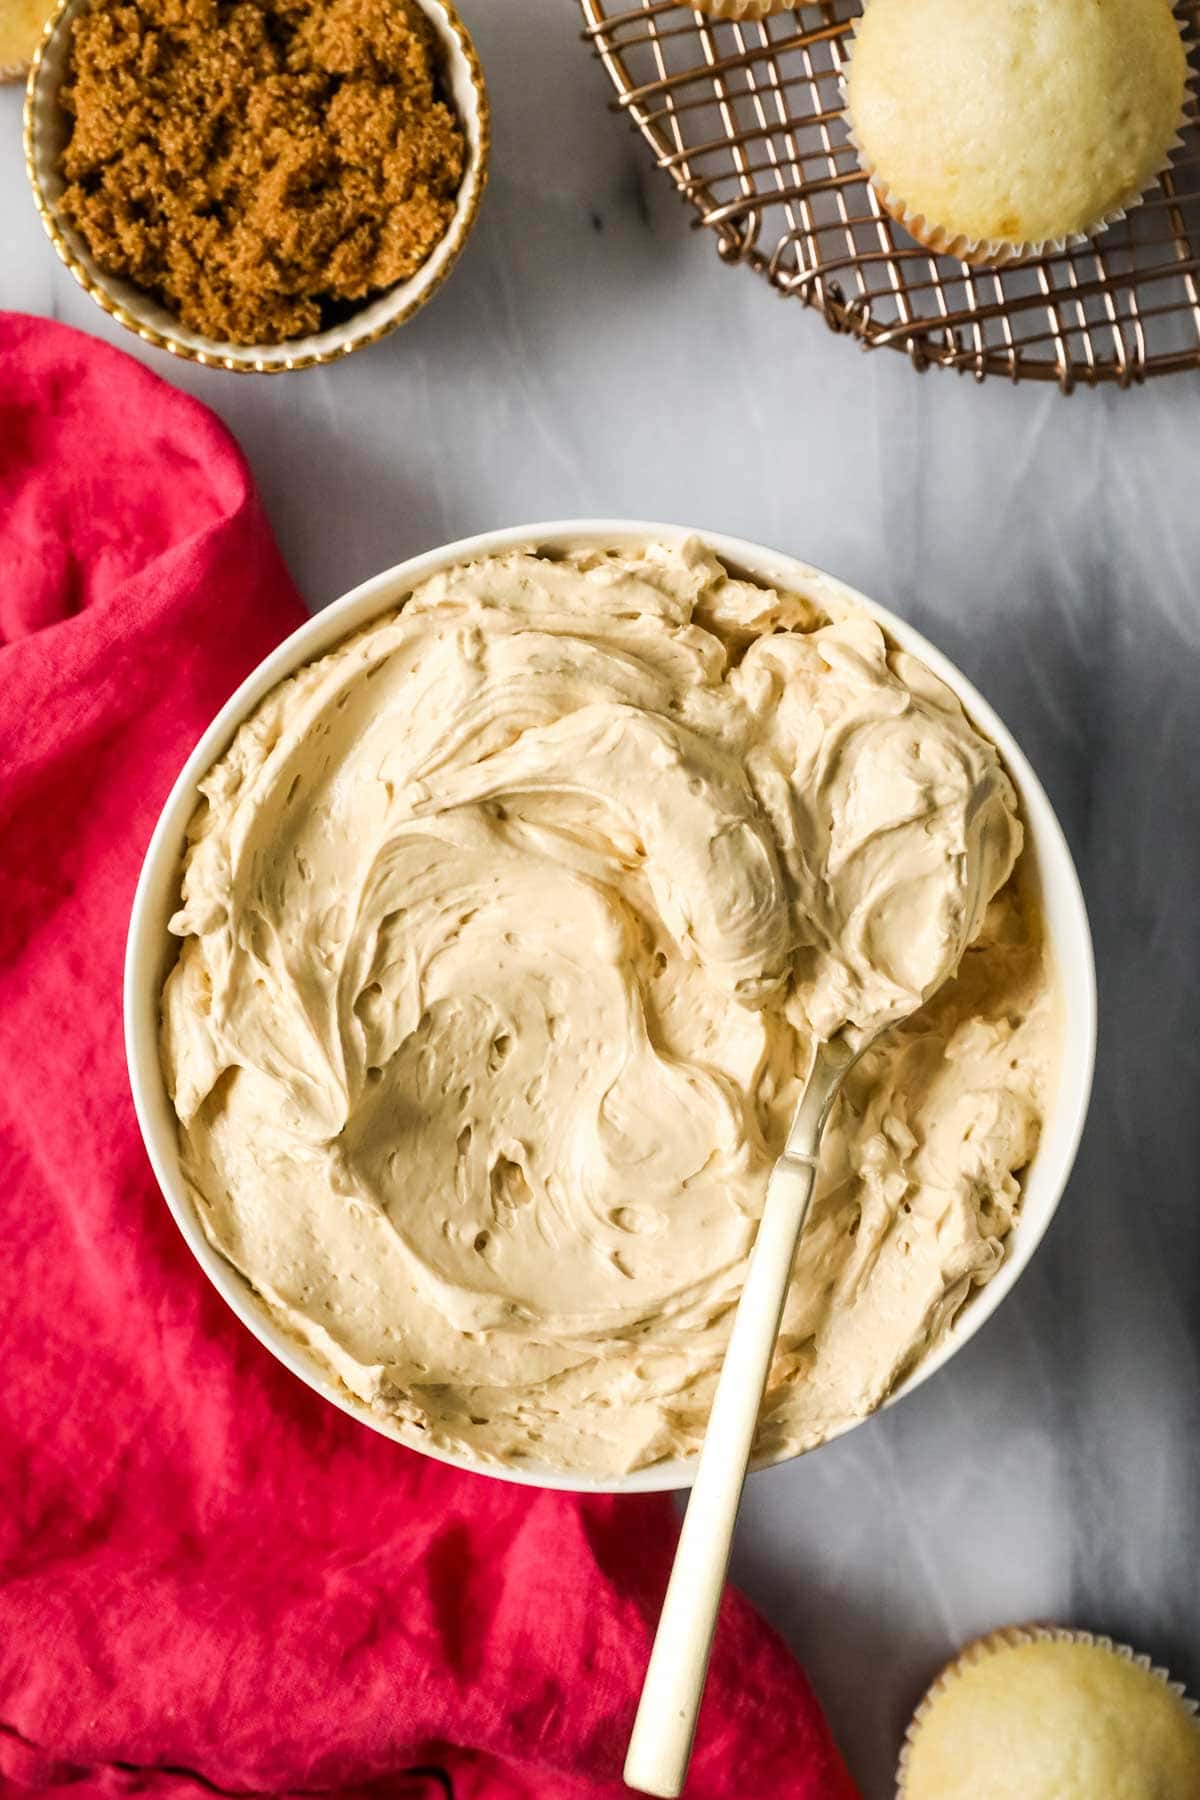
(508, 929)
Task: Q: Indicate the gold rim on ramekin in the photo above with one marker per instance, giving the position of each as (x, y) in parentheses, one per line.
(123, 302)
(1012, 1637)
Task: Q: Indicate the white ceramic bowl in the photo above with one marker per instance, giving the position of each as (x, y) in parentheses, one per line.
(46, 133)
(151, 951)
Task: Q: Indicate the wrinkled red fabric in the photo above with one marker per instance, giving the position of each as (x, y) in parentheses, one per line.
(210, 1578)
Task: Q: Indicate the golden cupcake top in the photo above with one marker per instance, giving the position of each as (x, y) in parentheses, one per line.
(1051, 1716)
(1014, 122)
(21, 24)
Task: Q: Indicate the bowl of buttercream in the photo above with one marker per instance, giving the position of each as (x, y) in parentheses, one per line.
(479, 955)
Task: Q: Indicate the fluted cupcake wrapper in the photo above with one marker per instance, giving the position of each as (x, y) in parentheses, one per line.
(741, 11)
(996, 253)
(1011, 1637)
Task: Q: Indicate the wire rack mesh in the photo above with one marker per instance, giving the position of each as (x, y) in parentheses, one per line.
(746, 120)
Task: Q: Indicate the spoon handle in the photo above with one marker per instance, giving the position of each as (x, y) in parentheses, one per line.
(666, 1719)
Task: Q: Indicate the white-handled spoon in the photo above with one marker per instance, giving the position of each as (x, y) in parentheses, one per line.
(661, 1743)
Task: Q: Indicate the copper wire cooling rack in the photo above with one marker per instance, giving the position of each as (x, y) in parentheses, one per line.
(746, 119)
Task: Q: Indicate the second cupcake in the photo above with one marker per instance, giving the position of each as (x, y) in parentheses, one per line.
(997, 129)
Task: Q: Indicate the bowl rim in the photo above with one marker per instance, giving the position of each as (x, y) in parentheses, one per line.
(149, 955)
(120, 298)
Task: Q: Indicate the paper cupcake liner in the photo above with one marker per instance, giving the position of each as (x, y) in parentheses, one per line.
(995, 253)
(1010, 1637)
(739, 11)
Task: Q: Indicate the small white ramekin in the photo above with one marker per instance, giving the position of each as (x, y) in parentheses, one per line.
(151, 951)
(139, 312)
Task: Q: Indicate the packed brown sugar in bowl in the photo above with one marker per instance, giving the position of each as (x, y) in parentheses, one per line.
(259, 166)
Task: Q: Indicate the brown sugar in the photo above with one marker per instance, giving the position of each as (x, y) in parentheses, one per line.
(259, 165)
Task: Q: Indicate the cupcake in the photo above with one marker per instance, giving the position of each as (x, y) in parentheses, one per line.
(21, 24)
(1035, 1713)
(998, 129)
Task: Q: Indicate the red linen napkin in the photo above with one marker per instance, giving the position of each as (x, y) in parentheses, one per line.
(210, 1578)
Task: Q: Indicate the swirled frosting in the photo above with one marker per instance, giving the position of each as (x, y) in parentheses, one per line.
(508, 930)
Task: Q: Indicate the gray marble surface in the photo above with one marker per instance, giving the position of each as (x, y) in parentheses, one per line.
(591, 356)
